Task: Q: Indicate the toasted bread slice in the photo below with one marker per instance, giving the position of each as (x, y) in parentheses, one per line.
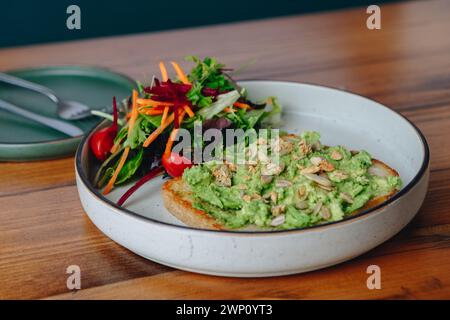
(379, 168)
(178, 200)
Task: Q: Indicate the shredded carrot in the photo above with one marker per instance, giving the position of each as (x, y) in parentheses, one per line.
(180, 73)
(228, 110)
(173, 135)
(123, 158)
(241, 105)
(149, 102)
(158, 130)
(151, 112)
(189, 111)
(164, 116)
(134, 113)
(154, 113)
(163, 69)
(170, 141)
(115, 147)
(181, 116)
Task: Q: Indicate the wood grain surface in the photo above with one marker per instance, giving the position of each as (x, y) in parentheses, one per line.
(405, 65)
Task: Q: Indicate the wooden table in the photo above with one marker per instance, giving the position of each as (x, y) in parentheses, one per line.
(405, 65)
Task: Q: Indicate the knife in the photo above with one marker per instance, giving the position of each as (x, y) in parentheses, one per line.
(58, 125)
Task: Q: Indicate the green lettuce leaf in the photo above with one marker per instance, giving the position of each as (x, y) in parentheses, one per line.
(223, 101)
(130, 167)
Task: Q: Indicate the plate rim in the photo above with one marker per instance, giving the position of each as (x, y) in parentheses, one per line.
(56, 67)
(414, 181)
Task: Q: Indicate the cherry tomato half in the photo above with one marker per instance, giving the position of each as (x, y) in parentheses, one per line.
(101, 142)
(175, 164)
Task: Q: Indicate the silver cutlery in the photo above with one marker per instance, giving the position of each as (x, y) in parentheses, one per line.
(69, 110)
(59, 125)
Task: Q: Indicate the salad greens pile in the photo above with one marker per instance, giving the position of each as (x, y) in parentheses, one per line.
(151, 119)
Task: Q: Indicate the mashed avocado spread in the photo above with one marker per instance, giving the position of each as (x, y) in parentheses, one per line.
(309, 184)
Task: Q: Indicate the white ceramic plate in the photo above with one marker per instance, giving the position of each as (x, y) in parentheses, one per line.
(146, 228)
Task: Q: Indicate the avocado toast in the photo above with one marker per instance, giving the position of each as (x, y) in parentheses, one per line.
(309, 184)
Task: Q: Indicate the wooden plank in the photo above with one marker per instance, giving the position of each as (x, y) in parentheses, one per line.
(24, 177)
(43, 228)
(424, 279)
(434, 122)
(43, 232)
(332, 48)
(40, 237)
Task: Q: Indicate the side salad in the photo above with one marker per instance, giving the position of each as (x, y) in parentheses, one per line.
(140, 140)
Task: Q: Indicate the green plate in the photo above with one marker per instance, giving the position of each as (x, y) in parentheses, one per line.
(24, 140)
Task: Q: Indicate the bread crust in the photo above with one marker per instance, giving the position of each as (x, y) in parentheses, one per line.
(380, 199)
(178, 201)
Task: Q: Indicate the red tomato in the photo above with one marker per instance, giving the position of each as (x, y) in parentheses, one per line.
(102, 141)
(175, 164)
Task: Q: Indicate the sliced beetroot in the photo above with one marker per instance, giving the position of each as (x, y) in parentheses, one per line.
(176, 119)
(168, 91)
(150, 175)
(209, 92)
(115, 125)
(216, 123)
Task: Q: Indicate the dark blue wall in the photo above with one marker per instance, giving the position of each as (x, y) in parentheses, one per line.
(35, 21)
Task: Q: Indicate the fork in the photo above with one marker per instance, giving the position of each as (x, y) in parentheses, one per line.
(69, 110)
(56, 124)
